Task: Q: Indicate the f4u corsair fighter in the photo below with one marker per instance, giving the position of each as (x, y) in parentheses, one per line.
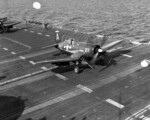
(81, 52)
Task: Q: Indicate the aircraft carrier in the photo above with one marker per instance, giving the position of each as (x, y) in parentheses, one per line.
(119, 91)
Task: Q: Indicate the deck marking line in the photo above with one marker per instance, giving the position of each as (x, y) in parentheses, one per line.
(138, 113)
(126, 55)
(115, 103)
(17, 42)
(119, 48)
(39, 33)
(44, 68)
(18, 81)
(21, 57)
(32, 62)
(13, 53)
(37, 72)
(32, 31)
(142, 116)
(142, 112)
(47, 35)
(71, 94)
(24, 29)
(85, 88)
(61, 76)
(5, 49)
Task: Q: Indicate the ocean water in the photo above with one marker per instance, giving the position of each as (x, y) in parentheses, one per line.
(128, 19)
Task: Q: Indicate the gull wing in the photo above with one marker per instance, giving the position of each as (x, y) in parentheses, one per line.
(110, 45)
(72, 58)
(61, 60)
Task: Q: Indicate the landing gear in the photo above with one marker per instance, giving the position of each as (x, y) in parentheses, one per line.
(76, 69)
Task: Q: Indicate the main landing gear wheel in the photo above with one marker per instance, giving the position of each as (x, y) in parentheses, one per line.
(76, 69)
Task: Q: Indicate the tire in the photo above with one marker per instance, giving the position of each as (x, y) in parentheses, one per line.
(76, 70)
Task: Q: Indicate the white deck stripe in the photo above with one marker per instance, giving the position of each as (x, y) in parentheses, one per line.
(5, 49)
(13, 53)
(115, 103)
(142, 116)
(44, 68)
(47, 35)
(61, 76)
(71, 94)
(21, 57)
(86, 89)
(32, 62)
(129, 56)
(17, 81)
(25, 30)
(17, 42)
(32, 31)
(39, 33)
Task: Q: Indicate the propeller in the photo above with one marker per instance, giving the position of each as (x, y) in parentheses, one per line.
(87, 63)
(98, 50)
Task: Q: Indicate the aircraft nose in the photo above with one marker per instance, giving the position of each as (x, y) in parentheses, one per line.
(60, 45)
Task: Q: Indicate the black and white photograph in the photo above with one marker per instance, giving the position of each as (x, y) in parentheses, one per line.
(74, 59)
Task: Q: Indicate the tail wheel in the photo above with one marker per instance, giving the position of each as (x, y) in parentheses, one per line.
(76, 69)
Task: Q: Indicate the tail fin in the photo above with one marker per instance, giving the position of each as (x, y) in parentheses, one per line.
(57, 37)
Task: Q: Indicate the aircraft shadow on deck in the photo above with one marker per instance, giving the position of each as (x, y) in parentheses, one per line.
(69, 68)
(11, 107)
(114, 55)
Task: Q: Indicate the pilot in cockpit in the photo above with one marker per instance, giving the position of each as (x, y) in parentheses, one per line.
(71, 41)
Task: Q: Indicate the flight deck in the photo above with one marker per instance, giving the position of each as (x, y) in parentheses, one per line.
(119, 91)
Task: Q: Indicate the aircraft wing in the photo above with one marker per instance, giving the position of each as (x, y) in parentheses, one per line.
(61, 60)
(110, 45)
(72, 58)
(11, 24)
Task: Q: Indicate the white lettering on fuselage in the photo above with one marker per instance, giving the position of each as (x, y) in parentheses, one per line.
(67, 47)
(87, 49)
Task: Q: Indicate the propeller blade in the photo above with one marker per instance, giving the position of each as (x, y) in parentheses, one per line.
(44, 61)
(95, 57)
(88, 63)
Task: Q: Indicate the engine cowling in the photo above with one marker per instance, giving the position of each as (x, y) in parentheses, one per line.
(96, 48)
